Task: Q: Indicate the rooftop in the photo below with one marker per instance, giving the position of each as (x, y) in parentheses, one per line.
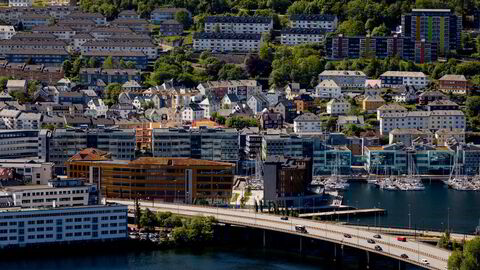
(307, 117)
(16, 83)
(238, 19)
(342, 73)
(215, 35)
(452, 77)
(313, 17)
(403, 74)
(412, 131)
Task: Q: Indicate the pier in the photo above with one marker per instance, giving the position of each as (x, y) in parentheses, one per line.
(357, 212)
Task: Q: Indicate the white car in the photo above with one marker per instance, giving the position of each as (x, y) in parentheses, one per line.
(425, 261)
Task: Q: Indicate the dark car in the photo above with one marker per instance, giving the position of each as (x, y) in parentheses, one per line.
(378, 236)
(284, 218)
(347, 235)
(371, 241)
(405, 256)
(378, 248)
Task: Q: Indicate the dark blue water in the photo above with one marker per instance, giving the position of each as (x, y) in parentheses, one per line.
(437, 207)
(166, 260)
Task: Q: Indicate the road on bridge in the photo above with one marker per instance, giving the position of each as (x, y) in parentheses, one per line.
(417, 252)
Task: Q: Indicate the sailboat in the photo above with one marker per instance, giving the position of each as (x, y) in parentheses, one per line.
(456, 180)
(334, 182)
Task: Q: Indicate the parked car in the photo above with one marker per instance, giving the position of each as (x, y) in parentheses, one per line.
(284, 218)
(371, 241)
(378, 236)
(378, 248)
(405, 256)
(425, 261)
(402, 239)
(347, 235)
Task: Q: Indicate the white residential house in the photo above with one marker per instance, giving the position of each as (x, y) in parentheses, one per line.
(307, 123)
(257, 103)
(389, 108)
(17, 85)
(338, 106)
(209, 107)
(298, 36)
(344, 78)
(98, 106)
(399, 78)
(350, 119)
(407, 95)
(229, 101)
(226, 42)
(328, 89)
(6, 31)
(193, 112)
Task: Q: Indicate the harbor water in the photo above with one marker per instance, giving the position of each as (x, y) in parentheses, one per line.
(435, 208)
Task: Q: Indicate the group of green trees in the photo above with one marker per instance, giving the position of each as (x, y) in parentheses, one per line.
(467, 258)
(72, 67)
(184, 230)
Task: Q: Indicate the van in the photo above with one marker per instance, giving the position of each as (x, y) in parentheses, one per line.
(300, 228)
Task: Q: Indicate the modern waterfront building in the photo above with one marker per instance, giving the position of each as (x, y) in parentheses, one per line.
(325, 22)
(201, 143)
(344, 78)
(59, 145)
(226, 42)
(238, 24)
(19, 228)
(57, 193)
(440, 26)
(168, 179)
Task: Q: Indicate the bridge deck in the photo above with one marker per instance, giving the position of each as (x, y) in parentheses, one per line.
(346, 212)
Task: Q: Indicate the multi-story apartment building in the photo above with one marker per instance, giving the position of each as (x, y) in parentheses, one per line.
(344, 78)
(340, 47)
(145, 46)
(371, 103)
(226, 42)
(440, 26)
(446, 136)
(170, 28)
(26, 120)
(318, 21)
(61, 32)
(169, 179)
(202, 143)
(128, 14)
(432, 120)
(57, 193)
(328, 89)
(78, 25)
(12, 45)
(297, 36)
(58, 225)
(243, 89)
(139, 58)
(49, 57)
(160, 15)
(98, 18)
(12, 15)
(31, 170)
(59, 145)
(136, 25)
(38, 72)
(18, 143)
(307, 123)
(7, 31)
(90, 76)
(408, 135)
(400, 78)
(455, 84)
(238, 24)
(31, 20)
(20, 3)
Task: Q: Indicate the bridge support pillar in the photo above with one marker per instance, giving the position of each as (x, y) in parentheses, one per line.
(301, 245)
(264, 239)
(368, 260)
(334, 252)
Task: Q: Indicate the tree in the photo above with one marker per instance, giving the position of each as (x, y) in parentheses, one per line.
(469, 259)
(148, 219)
(473, 106)
(352, 27)
(231, 72)
(92, 62)
(67, 68)
(108, 63)
(173, 221)
(113, 90)
(380, 31)
(183, 17)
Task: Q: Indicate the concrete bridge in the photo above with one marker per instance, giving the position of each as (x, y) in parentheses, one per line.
(415, 251)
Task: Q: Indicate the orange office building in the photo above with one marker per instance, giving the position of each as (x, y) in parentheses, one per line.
(167, 179)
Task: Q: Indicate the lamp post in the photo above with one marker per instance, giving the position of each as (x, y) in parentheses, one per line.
(409, 218)
(448, 219)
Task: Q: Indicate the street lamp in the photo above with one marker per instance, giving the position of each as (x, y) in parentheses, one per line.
(409, 218)
(448, 219)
